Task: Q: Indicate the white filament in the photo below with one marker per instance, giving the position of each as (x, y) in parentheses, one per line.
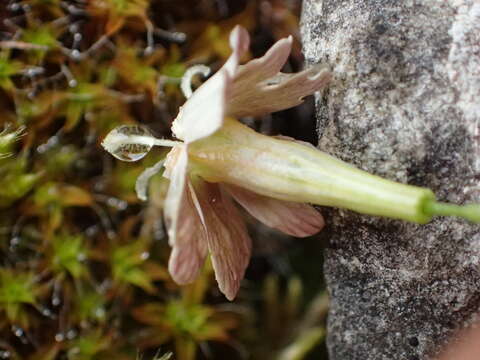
(186, 84)
(141, 185)
(165, 142)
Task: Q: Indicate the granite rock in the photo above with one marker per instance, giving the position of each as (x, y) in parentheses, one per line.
(404, 104)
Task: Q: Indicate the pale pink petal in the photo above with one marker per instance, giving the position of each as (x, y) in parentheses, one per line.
(251, 98)
(263, 68)
(292, 218)
(203, 113)
(239, 43)
(185, 229)
(228, 240)
(189, 247)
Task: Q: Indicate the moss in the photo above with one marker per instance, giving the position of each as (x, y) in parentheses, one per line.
(83, 264)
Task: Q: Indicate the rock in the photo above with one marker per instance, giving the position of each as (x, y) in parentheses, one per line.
(404, 105)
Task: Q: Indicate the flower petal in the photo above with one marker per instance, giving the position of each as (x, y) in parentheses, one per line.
(190, 244)
(267, 66)
(239, 43)
(292, 218)
(228, 240)
(185, 230)
(252, 98)
(203, 113)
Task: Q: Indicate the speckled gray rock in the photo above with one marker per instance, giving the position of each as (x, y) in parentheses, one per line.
(405, 104)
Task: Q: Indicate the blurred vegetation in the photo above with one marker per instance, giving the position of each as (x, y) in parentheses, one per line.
(83, 262)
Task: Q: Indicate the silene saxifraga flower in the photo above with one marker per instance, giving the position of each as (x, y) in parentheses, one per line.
(219, 159)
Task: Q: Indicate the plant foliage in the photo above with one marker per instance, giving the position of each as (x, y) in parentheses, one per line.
(83, 262)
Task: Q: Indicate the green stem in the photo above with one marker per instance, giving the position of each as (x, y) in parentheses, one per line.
(470, 212)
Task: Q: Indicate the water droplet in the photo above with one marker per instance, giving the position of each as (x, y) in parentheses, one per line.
(122, 205)
(77, 37)
(56, 300)
(145, 255)
(117, 203)
(92, 230)
(14, 7)
(89, 116)
(104, 286)
(73, 28)
(148, 50)
(75, 54)
(14, 242)
(71, 334)
(47, 312)
(72, 83)
(34, 71)
(81, 257)
(5, 354)
(178, 36)
(59, 337)
(100, 312)
(129, 142)
(17, 331)
(51, 142)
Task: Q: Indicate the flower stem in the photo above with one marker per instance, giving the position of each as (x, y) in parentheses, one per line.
(470, 212)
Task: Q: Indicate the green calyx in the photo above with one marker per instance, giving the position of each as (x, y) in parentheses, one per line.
(292, 171)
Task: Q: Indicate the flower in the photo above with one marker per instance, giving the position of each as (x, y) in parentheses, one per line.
(273, 178)
(200, 216)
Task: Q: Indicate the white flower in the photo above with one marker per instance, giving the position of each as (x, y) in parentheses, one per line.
(199, 213)
(219, 158)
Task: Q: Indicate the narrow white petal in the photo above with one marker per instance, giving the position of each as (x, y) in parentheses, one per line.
(175, 170)
(185, 230)
(203, 113)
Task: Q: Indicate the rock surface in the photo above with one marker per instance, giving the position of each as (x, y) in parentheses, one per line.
(404, 105)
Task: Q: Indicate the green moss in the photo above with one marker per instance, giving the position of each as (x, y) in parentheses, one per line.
(69, 254)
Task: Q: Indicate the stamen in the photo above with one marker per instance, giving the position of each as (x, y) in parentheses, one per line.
(141, 185)
(186, 84)
(166, 143)
(132, 143)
